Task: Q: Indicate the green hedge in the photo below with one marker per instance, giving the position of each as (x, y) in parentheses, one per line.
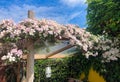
(73, 66)
(59, 70)
(62, 69)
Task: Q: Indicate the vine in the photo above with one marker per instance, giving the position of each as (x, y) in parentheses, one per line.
(30, 31)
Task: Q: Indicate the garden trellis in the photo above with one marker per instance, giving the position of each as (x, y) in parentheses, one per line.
(23, 36)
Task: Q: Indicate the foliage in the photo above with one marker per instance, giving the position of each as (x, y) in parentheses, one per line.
(59, 70)
(109, 70)
(104, 16)
(62, 69)
(77, 65)
(74, 66)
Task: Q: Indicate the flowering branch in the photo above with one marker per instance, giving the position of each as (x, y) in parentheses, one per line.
(33, 30)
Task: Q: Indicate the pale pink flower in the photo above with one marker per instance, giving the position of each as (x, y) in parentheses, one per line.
(32, 31)
(85, 47)
(50, 32)
(13, 51)
(4, 57)
(19, 53)
(27, 30)
(12, 59)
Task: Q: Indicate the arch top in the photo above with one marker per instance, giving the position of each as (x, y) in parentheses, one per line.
(33, 31)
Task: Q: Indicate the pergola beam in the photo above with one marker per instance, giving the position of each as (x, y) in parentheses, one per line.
(60, 50)
(54, 54)
(43, 56)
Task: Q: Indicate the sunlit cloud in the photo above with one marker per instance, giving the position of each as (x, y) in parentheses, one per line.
(73, 3)
(19, 13)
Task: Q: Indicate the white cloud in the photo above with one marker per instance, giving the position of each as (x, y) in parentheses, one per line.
(18, 13)
(74, 15)
(73, 3)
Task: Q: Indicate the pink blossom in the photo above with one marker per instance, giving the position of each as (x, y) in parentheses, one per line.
(43, 28)
(50, 32)
(85, 47)
(13, 51)
(4, 57)
(27, 30)
(19, 53)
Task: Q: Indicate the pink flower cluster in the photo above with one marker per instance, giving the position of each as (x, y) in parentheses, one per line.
(6, 27)
(79, 37)
(13, 56)
(110, 49)
(29, 27)
(45, 28)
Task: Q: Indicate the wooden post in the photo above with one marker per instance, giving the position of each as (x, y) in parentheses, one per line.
(30, 57)
(30, 14)
(18, 72)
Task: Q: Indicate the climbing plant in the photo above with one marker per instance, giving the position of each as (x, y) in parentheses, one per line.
(30, 32)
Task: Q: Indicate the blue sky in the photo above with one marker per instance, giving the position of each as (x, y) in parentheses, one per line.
(62, 11)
